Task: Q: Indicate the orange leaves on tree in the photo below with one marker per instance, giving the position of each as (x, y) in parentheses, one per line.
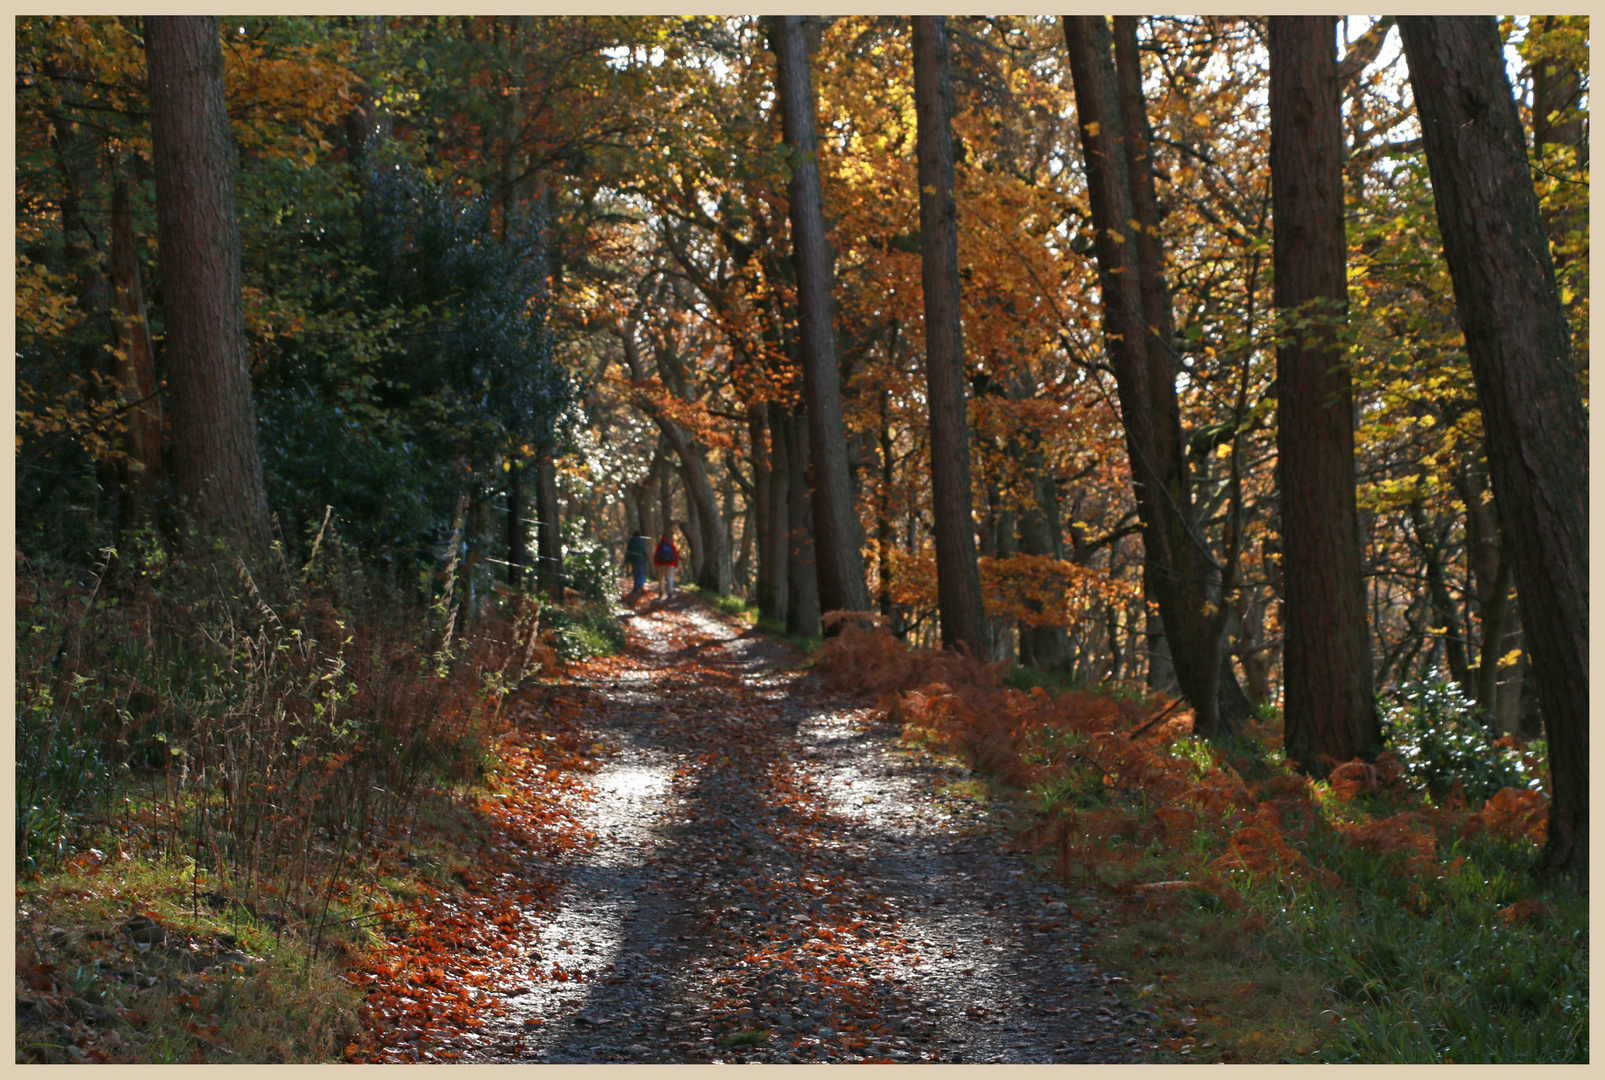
(1039, 590)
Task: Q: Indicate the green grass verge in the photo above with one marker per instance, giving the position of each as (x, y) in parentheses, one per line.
(1472, 956)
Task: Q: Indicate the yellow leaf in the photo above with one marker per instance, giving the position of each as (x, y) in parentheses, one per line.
(929, 189)
(1510, 658)
(1091, 129)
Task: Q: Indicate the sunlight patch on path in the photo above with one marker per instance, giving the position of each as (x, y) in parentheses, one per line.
(583, 938)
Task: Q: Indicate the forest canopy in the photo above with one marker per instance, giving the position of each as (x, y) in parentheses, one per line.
(512, 288)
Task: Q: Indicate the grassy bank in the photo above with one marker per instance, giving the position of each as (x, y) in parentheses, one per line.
(1392, 912)
(230, 780)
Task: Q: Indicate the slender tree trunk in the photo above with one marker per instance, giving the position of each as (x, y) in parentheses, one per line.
(78, 157)
(216, 466)
(885, 530)
(1329, 716)
(1491, 576)
(710, 546)
(517, 532)
(777, 603)
(367, 124)
(757, 525)
(1446, 621)
(692, 569)
(802, 605)
(958, 581)
(1177, 563)
(1495, 638)
(549, 527)
(135, 361)
(1532, 409)
(1512, 700)
(1145, 212)
(840, 563)
(1557, 120)
(1044, 647)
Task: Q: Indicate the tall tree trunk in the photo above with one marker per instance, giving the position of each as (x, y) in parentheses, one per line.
(1446, 621)
(885, 530)
(1527, 387)
(517, 531)
(216, 466)
(695, 541)
(710, 542)
(757, 525)
(958, 581)
(1512, 701)
(1557, 118)
(1491, 577)
(665, 501)
(1328, 713)
(802, 604)
(1145, 212)
(368, 124)
(1046, 647)
(78, 157)
(135, 361)
(839, 562)
(1177, 563)
(548, 527)
(777, 602)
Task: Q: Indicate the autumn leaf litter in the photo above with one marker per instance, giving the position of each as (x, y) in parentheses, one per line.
(704, 855)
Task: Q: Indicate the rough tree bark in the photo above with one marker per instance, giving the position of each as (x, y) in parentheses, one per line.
(884, 528)
(1177, 565)
(958, 580)
(1532, 409)
(216, 467)
(803, 607)
(1329, 715)
(759, 508)
(839, 562)
(776, 602)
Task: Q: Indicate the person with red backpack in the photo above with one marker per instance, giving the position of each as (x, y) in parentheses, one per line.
(666, 558)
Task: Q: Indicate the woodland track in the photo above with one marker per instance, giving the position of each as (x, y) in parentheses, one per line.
(765, 873)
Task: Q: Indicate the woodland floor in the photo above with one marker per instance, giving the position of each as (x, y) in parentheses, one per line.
(757, 871)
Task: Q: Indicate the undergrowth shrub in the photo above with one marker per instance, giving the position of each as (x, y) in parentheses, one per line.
(587, 565)
(1442, 741)
(265, 724)
(584, 630)
(63, 773)
(1407, 908)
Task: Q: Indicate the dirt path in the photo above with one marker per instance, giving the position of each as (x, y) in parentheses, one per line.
(770, 878)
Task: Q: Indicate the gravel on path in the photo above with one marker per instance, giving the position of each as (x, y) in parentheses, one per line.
(771, 876)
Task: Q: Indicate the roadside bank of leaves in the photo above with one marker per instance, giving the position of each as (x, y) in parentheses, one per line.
(448, 956)
(229, 784)
(1263, 916)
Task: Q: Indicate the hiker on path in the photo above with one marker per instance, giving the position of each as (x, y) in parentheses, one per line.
(635, 558)
(666, 558)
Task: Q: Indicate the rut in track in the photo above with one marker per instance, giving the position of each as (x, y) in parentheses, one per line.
(768, 876)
